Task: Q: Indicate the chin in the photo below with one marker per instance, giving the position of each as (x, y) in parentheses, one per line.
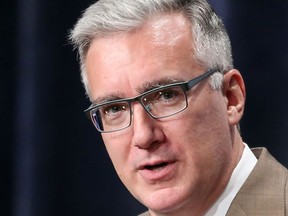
(164, 200)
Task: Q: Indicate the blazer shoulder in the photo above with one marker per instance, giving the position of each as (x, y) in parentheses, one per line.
(145, 214)
(265, 190)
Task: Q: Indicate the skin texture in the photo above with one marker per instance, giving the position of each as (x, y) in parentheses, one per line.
(200, 146)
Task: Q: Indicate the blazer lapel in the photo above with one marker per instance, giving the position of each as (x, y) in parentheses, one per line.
(236, 209)
(263, 193)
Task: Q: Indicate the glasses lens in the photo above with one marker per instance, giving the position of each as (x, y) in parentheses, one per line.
(165, 102)
(111, 117)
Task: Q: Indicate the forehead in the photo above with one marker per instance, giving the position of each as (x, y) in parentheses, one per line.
(161, 49)
(167, 29)
(160, 32)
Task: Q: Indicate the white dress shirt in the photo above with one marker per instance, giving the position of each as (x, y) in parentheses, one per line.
(238, 177)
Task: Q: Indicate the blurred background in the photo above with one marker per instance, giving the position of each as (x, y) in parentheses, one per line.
(52, 161)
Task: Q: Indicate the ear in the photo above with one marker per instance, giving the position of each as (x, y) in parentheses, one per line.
(234, 91)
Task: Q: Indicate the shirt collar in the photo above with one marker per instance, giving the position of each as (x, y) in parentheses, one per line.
(238, 177)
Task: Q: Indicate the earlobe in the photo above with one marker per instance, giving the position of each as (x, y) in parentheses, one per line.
(234, 91)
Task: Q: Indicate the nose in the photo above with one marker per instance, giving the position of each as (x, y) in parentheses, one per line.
(147, 131)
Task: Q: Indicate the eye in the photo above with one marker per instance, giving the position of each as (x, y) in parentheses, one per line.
(165, 97)
(113, 109)
(168, 95)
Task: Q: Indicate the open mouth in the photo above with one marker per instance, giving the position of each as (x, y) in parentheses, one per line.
(157, 171)
(156, 166)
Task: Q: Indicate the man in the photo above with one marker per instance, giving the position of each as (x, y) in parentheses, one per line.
(168, 102)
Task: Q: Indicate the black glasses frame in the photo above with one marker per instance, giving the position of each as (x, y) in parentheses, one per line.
(186, 86)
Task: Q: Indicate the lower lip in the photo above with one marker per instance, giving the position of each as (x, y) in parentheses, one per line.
(161, 174)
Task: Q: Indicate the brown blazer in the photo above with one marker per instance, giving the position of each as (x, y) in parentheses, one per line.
(265, 192)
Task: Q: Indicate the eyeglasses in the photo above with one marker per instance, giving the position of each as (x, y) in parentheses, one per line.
(159, 103)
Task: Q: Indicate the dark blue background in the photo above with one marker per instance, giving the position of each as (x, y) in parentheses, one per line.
(52, 160)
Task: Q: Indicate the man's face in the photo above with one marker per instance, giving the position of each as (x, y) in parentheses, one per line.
(180, 162)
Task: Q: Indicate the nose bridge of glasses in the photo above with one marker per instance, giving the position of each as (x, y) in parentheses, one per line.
(142, 99)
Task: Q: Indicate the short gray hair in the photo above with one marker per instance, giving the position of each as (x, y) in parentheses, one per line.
(212, 45)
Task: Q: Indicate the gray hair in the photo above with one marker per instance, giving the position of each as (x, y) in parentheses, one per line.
(212, 45)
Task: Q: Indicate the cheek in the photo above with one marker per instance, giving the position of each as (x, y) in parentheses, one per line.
(201, 125)
(209, 129)
(202, 131)
(206, 145)
(209, 119)
(118, 150)
(114, 149)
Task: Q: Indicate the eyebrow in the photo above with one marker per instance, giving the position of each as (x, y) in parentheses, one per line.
(146, 86)
(108, 97)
